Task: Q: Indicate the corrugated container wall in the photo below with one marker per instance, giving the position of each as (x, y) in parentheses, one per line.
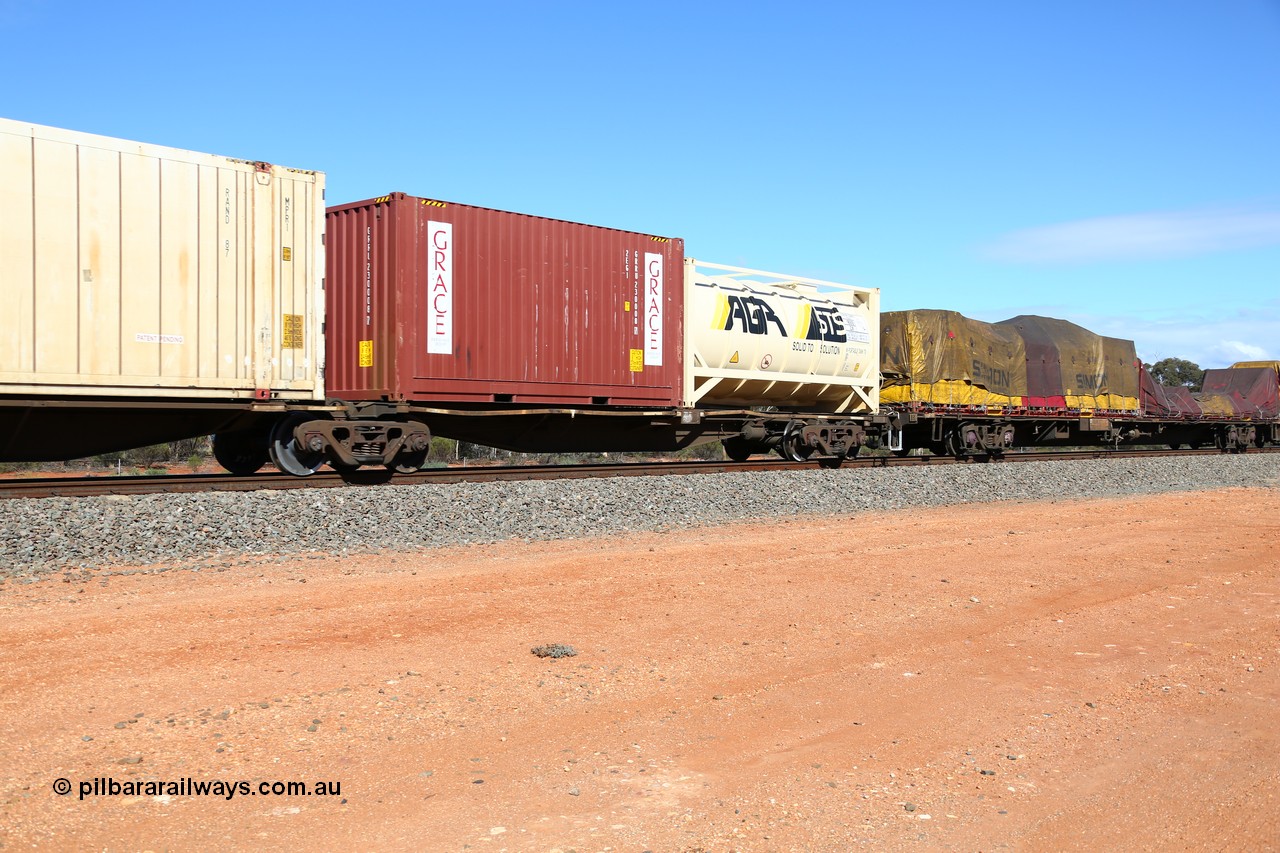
(128, 268)
(456, 305)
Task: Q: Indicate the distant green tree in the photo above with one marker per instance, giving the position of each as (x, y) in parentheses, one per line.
(1177, 371)
(442, 449)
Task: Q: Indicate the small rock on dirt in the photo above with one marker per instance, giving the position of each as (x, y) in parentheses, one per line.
(554, 650)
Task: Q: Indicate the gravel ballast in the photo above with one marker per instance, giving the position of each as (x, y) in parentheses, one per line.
(43, 536)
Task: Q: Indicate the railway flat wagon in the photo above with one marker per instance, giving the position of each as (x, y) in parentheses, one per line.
(501, 328)
(964, 387)
(1246, 396)
(151, 293)
(800, 356)
(542, 335)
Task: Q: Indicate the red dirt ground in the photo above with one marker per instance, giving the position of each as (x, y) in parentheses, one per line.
(1100, 675)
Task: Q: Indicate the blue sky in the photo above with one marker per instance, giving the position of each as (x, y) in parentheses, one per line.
(1115, 163)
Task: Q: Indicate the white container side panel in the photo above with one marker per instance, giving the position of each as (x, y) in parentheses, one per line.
(299, 269)
(761, 339)
(129, 267)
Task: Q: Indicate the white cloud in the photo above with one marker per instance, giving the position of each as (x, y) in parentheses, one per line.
(1240, 351)
(1140, 236)
(1208, 341)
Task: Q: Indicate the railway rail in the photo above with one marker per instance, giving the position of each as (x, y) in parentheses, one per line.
(45, 487)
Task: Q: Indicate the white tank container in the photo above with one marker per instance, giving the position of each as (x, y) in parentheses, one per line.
(755, 338)
(129, 269)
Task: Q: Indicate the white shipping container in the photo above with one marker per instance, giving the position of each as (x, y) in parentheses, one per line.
(129, 269)
(756, 338)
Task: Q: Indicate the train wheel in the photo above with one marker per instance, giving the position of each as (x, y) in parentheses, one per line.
(793, 452)
(408, 463)
(285, 452)
(1173, 445)
(792, 446)
(241, 453)
(955, 445)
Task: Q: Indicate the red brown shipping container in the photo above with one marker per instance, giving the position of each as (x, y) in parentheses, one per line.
(444, 303)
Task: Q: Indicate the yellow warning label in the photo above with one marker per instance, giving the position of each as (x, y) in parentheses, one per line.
(637, 361)
(291, 331)
(734, 360)
(626, 306)
(287, 253)
(366, 353)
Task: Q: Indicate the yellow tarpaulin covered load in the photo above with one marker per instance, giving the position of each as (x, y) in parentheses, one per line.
(1069, 367)
(1274, 365)
(945, 358)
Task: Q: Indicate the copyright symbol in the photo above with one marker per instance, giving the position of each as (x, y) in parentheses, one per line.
(62, 787)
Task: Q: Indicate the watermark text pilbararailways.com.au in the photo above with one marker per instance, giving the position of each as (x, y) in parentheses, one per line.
(105, 786)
